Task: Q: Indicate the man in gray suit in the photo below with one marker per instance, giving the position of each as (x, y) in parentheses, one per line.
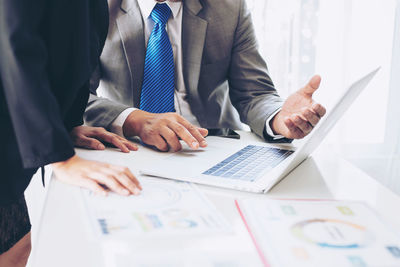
(219, 77)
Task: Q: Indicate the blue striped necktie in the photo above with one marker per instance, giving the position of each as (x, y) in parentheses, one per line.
(157, 94)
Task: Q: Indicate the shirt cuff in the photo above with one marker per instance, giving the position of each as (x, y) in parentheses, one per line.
(268, 128)
(118, 123)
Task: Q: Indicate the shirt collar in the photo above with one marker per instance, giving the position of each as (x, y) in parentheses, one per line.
(146, 6)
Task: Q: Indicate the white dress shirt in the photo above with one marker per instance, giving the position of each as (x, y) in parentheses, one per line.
(174, 29)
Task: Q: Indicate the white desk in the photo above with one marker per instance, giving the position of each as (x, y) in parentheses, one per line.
(63, 239)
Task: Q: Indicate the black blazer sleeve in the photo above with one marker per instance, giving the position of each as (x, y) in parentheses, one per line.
(33, 108)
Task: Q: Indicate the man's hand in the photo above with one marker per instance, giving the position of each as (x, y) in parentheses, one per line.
(91, 137)
(299, 114)
(97, 176)
(164, 130)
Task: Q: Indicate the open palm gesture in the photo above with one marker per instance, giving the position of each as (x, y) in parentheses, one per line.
(300, 113)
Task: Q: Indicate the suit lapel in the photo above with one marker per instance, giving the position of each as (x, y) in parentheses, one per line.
(131, 30)
(193, 36)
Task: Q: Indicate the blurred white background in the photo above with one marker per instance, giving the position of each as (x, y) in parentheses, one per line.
(341, 40)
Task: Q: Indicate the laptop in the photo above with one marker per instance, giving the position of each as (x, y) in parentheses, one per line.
(253, 167)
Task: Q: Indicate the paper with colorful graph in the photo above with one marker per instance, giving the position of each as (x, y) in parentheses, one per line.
(163, 208)
(319, 233)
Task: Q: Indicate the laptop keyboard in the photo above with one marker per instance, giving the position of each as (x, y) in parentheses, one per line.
(249, 163)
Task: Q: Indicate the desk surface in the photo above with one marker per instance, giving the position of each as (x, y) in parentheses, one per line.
(63, 239)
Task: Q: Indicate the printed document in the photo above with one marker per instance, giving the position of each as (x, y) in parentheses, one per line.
(319, 233)
(163, 208)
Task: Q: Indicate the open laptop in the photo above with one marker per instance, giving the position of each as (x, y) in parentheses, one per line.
(254, 167)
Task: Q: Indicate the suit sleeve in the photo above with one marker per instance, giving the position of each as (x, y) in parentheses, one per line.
(35, 114)
(101, 112)
(252, 91)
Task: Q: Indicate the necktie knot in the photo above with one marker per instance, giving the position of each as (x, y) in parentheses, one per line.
(161, 13)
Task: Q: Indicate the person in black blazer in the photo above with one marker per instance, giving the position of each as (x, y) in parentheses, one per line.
(48, 51)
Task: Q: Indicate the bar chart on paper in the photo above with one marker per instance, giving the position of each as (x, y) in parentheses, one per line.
(319, 233)
(163, 208)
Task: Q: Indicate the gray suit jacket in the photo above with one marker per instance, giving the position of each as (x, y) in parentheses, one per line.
(226, 79)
